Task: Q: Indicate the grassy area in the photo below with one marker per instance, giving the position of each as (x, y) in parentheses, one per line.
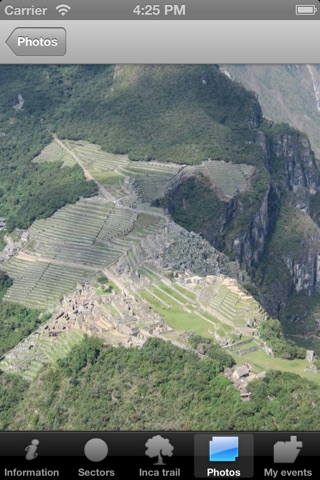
(223, 328)
(227, 177)
(54, 153)
(179, 319)
(107, 179)
(104, 286)
(39, 284)
(145, 221)
(147, 273)
(262, 361)
(172, 293)
(185, 292)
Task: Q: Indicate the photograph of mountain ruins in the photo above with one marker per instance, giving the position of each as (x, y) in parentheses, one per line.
(160, 247)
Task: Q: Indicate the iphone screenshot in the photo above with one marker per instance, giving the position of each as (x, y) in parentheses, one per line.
(159, 239)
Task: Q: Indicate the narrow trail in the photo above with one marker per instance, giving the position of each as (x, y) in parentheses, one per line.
(102, 190)
(104, 193)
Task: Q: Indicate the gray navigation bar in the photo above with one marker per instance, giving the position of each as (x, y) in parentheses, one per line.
(159, 10)
(179, 42)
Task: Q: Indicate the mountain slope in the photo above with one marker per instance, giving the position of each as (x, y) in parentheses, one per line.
(159, 387)
(286, 93)
(186, 114)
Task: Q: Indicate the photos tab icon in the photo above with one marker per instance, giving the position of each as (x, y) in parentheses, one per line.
(224, 449)
(222, 455)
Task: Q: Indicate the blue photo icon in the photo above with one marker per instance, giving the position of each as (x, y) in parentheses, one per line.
(224, 449)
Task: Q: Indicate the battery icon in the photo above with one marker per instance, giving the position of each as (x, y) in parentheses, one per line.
(306, 9)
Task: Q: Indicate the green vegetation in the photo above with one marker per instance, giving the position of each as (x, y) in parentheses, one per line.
(161, 112)
(47, 192)
(300, 320)
(16, 322)
(176, 316)
(315, 208)
(209, 348)
(178, 113)
(12, 389)
(157, 387)
(2, 242)
(272, 333)
(293, 230)
(274, 130)
(54, 153)
(183, 114)
(194, 205)
(29, 190)
(38, 351)
(105, 286)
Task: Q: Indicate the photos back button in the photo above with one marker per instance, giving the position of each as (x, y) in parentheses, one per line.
(38, 42)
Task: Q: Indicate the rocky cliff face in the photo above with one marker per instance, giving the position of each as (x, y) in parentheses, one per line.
(295, 168)
(295, 174)
(250, 245)
(282, 232)
(269, 227)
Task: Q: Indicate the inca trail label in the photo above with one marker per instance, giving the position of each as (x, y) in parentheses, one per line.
(164, 472)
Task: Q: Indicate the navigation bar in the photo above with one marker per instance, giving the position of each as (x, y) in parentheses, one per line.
(178, 43)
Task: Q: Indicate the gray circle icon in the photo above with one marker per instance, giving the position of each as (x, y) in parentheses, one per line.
(96, 450)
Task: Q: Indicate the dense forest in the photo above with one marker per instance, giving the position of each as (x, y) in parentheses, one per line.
(157, 387)
(29, 191)
(16, 321)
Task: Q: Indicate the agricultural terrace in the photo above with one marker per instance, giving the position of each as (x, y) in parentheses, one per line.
(228, 178)
(90, 235)
(54, 153)
(220, 311)
(29, 356)
(228, 300)
(38, 284)
(150, 178)
(111, 170)
(83, 233)
(74, 243)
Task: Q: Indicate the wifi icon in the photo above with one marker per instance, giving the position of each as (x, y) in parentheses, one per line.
(63, 9)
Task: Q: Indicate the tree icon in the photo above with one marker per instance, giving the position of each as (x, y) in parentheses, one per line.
(158, 446)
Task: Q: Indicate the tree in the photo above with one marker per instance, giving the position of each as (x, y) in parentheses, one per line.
(158, 446)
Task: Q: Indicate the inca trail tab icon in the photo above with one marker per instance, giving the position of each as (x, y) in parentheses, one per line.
(158, 446)
(32, 449)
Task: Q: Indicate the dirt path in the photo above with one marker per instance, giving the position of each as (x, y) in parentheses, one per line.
(103, 192)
